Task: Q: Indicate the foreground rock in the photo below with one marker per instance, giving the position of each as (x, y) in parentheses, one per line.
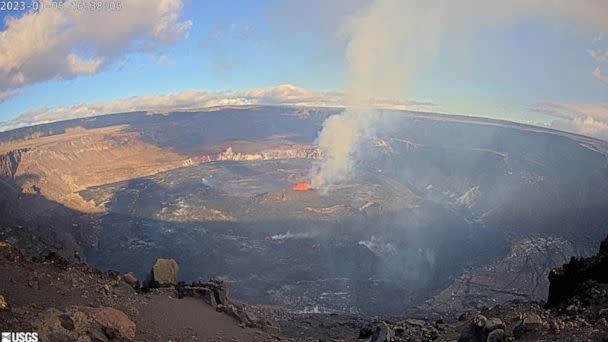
(78, 303)
(81, 323)
(577, 310)
(481, 329)
(570, 279)
(215, 293)
(113, 321)
(380, 333)
(212, 292)
(74, 302)
(131, 279)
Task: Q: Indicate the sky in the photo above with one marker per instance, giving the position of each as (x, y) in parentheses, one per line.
(542, 62)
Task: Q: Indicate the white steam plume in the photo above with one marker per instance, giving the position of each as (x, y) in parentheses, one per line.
(391, 37)
(379, 63)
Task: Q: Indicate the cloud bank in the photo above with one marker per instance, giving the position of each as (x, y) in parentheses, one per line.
(285, 94)
(586, 119)
(65, 43)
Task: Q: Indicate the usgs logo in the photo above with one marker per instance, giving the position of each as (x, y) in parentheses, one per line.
(19, 337)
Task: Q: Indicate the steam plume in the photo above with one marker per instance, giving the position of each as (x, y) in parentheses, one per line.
(388, 39)
(378, 65)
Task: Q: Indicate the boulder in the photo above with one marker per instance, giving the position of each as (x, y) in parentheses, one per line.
(112, 320)
(530, 323)
(383, 333)
(471, 333)
(164, 273)
(131, 279)
(497, 335)
(114, 274)
(479, 328)
(493, 324)
(415, 322)
(366, 332)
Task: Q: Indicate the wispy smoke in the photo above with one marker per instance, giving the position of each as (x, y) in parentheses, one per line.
(379, 247)
(208, 182)
(290, 235)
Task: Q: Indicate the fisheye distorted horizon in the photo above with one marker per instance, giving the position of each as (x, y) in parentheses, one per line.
(539, 62)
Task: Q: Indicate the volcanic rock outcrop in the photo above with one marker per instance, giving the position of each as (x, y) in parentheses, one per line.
(82, 303)
(64, 301)
(164, 273)
(579, 273)
(577, 312)
(212, 292)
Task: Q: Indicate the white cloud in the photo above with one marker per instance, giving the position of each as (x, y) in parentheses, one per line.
(597, 73)
(586, 119)
(63, 44)
(587, 126)
(285, 94)
(7, 94)
(78, 66)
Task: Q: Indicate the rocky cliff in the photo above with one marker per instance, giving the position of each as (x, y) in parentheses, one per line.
(59, 166)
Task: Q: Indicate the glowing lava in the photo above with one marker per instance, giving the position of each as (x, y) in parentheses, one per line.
(302, 187)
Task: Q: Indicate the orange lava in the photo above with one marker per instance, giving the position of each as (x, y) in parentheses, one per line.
(302, 187)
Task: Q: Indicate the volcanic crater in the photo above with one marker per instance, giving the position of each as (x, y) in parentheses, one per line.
(441, 209)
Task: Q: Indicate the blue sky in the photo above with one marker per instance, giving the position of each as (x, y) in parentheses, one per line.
(505, 71)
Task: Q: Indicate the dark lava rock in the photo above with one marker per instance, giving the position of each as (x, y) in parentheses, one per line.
(480, 328)
(204, 293)
(530, 324)
(565, 281)
(213, 292)
(113, 274)
(497, 335)
(366, 332)
(474, 330)
(57, 259)
(493, 324)
(66, 322)
(382, 333)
